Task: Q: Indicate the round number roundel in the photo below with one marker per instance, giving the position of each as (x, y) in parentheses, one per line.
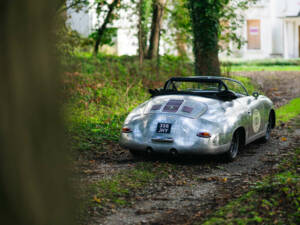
(256, 120)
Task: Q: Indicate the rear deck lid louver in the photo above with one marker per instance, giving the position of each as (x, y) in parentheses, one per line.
(172, 106)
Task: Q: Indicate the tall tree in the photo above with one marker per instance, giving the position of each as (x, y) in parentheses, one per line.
(206, 16)
(33, 179)
(157, 19)
(179, 24)
(144, 13)
(108, 18)
(106, 14)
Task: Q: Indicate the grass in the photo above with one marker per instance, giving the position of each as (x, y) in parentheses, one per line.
(263, 65)
(264, 62)
(264, 68)
(119, 188)
(99, 93)
(275, 200)
(288, 111)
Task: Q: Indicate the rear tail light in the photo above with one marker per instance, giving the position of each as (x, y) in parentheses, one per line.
(126, 130)
(204, 134)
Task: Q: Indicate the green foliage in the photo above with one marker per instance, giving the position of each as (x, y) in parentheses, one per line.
(248, 83)
(264, 68)
(145, 14)
(106, 13)
(275, 200)
(179, 24)
(265, 62)
(107, 38)
(289, 111)
(262, 65)
(219, 17)
(105, 90)
(118, 189)
(100, 92)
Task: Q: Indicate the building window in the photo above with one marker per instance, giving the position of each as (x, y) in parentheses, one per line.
(253, 34)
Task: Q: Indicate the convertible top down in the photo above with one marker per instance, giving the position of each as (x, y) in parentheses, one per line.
(198, 115)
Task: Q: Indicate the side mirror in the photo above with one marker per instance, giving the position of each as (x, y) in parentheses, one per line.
(255, 94)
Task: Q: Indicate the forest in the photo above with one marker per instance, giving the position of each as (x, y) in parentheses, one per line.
(64, 100)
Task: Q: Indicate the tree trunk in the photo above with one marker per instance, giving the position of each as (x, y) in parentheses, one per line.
(101, 29)
(205, 29)
(157, 18)
(181, 44)
(33, 178)
(140, 34)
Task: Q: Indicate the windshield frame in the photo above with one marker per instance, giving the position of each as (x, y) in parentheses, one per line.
(205, 79)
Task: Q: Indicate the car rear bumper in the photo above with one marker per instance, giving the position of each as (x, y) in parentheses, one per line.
(197, 145)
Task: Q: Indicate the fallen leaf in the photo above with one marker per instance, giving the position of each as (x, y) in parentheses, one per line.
(96, 199)
(283, 139)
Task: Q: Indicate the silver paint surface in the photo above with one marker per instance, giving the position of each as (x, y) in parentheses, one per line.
(219, 118)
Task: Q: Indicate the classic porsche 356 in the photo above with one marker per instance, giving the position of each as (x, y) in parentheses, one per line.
(198, 115)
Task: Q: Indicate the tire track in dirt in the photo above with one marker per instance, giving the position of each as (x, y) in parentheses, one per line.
(176, 204)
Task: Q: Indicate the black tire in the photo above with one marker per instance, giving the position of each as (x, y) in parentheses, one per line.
(267, 136)
(233, 151)
(135, 153)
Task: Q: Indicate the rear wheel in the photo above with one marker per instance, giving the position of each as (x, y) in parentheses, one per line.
(134, 152)
(234, 147)
(268, 131)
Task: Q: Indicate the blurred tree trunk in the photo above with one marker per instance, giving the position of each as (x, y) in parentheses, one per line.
(107, 20)
(141, 33)
(157, 19)
(144, 14)
(181, 44)
(205, 22)
(33, 178)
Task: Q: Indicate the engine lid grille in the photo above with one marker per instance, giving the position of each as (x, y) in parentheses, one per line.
(172, 105)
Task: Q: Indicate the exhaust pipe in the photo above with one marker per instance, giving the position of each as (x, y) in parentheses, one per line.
(173, 152)
(149, 151)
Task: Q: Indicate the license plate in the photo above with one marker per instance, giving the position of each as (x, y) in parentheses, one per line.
(163, 128)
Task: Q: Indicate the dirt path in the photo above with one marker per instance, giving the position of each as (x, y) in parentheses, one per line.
(205, 182)
(214, 183)
(279, 86)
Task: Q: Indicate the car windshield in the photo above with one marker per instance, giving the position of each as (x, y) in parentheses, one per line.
(206, 86)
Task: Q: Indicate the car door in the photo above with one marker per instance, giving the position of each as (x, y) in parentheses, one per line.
(253, 113)
(256, 122)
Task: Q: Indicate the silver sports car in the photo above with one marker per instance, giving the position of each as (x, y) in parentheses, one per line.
(198, 115)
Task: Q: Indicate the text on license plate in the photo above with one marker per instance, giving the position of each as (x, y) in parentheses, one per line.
(163, 128)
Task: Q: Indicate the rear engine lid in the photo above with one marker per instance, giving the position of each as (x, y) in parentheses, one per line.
(188, 106)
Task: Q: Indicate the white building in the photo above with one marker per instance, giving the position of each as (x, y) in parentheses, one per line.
(271, 28)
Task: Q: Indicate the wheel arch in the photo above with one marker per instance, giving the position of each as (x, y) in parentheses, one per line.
(242, 133)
